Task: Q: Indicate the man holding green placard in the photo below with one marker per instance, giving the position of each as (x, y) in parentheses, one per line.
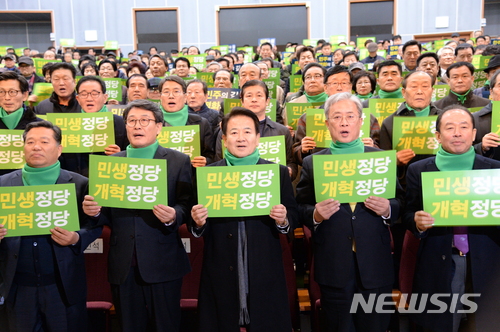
(452, 260)
(147, 259)
(43, 276)
(352, 240)
(243, 281)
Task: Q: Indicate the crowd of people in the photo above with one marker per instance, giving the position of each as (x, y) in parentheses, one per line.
(356, 246)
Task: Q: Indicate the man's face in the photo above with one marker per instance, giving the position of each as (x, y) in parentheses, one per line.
(410, 56)
(26, 52)
(157, 66)
(337, 56)
(88, 102)
(460, 80)
(137, 88)
(153, 51)
(12, 103)
(264, 70)
(266, 51)
(389, 78)
(9, 63)
(249, 72)
(456, 132)
(305, 59)
(447, 58)
(488, 40)
(49, 55)
(338, 83)
(142, 136)
(26, 70)
(231, 62)
(223, 80)
(313, 81)
(397, 41)
(241, 58)
(213, 68)
(106, 70)
(193, 51)
(480, 41)
(495, 91)
(464, 55)
(181, 69)
(350, 59)
(429, 65)
(344, 122)
(326, 50)
(68, 57)
(76, 56)
(195, 96)
(418, 92)
(40, 148)
(91, 52)
(172, 97)
(63, 82)
(255, 100)
(241, 138)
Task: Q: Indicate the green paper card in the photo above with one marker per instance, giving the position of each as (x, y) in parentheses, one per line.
(383, 108)
(207, 78)
(295, 83)
(185, 139)
(440, 91)
(39, 63)
(416, 133)
(360, 42)
(67, 42)
(495, 117)
(11, 149)
(295, 110)
(42, 91)
(128, 183)
(354, 177)
(273, 148)
(34, 210)
(114, 88)
(111, 45)
(336, 39)
(239, 191)
(272, 86)
(198, 60)
(274, 73)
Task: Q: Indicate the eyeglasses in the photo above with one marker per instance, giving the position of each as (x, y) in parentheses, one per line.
(11, 93)
(175, 93)
(348, 118)
(314, 77)
(342, 84)
(142, 122)
(93, 94)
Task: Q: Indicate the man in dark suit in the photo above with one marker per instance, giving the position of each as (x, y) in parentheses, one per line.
(147, 259)
(444, 265)
(42, 277)
(352, 241)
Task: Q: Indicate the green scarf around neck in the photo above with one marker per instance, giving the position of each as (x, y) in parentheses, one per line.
(319, 98)
(355, 146)
(394, 94)
(425, 112)
(103, 109)
(368, 96)
(144, 153)
(11, 120)
(251, 159)
(175, 119)
(461, 98)
(446, 161)
(33, 176)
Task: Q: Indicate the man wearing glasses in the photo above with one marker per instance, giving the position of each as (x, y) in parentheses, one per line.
(147, 259)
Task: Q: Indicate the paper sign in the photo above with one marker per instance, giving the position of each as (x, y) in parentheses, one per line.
(11, 149)
(185, 139)
(416, 133)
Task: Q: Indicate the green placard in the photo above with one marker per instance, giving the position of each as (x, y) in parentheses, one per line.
(85, 132)
(34, 210)
(440, 91)
(114, 88)
(336, 39)
(416, 133)
(207, 78)
(185, 139)
(495, 117)
(248, 49)
(272, 86)
(354, 177)
(11, 149)
(316, 127)
(42, 91)
(480, 78)
(111, 45)
(363, 53)
(295, 83)
(39, 63)
(295, 110)
(67, 42)
(128, 183)
(198, 60)
(239, 191)
(480, 62)
(116, 109)
(3, 49)
(382, 108)
(360, 42)
(224, 49)
(462, 198)
(474, 109)
(19, 51)
(273, 148)
(438, 44)
(274, 73)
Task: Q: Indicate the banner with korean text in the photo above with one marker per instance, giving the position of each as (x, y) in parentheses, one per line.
(185, 139)
(383, 108)
(129, 183)
(354, 177)
(416, 133)
(462, 198)
(12, 149)
(239, 191)
(295, 110)
(34, 210)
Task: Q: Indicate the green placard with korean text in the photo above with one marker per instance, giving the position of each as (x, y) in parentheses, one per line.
(85, 132)
(495, 117)
(354, 177)
(462, 198)
(128, 183)
(440, 91)
(207, 78)
(295, 83)
(416, 133)
(66, 42)
(35, 210)
(273, 148)
(239, 191)
(11, 149)
(42, 91)
(185, 139)
(383, 108)
(111, 45)
(295, 110)
(113, 88)
(198, 60)
(39, 63)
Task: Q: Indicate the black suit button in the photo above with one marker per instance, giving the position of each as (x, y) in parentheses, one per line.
(230, 268)
(353, 218)
(230, 236)
(443, 257)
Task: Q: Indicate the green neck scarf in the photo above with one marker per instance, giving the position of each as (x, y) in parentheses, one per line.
(33, 176)
(424, 112)
(319, 98)
(144, 153)
(461, 98)
(103, 109)
(368, 96)
(175, 119)
(251, 159)
(355, 146)
(446, 161)
(11, 120)
(394, 94)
